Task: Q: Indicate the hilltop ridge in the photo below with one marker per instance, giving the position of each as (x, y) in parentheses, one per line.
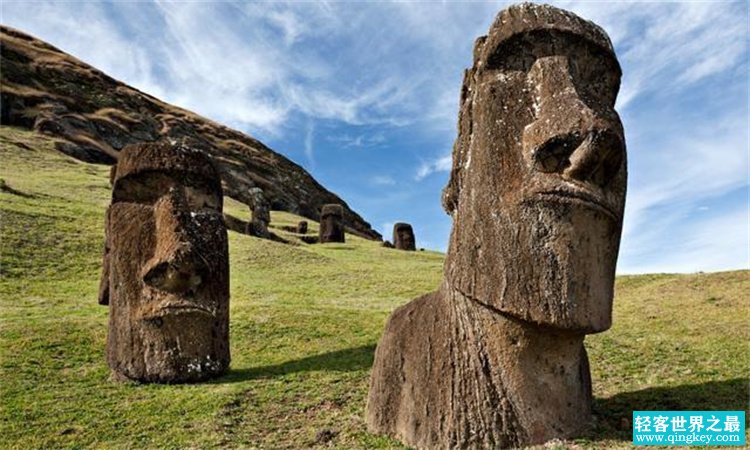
(93, 116)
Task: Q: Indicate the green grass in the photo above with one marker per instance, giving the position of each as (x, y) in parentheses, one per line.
(304, 323)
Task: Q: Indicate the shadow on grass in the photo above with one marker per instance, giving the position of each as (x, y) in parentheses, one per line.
(347, 360)
(614, 414)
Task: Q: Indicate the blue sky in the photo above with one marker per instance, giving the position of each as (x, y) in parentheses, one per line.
(365, 95)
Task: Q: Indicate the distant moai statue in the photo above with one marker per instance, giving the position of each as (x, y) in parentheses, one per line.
(165, 272)
(403, 237)
(495, 357)
(302, 227)
(261, 214)
(331, 224)
(386, 244)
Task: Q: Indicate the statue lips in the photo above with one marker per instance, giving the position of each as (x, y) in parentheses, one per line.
(581, 197)
(173, 306)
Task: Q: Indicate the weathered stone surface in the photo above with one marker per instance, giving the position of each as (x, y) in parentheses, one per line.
(387, 244)
(260, 214)
(166, 267)
(331, 227)
(495, 357)
(302, 227)
(403, 237)
(95, 116)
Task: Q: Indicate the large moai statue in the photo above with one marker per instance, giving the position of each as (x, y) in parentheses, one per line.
(403, 237)
(260, 214)
(166, 267)
(495, 357)
(331, 224)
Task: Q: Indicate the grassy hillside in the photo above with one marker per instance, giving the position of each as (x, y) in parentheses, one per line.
(304, 323)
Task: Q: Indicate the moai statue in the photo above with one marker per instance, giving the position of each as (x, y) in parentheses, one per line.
(302, 227)
(403, 237)
(261, 214)
(166, 267)
(495, 357)
(331, 224)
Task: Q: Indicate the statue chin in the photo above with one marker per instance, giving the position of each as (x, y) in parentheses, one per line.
(575, 247)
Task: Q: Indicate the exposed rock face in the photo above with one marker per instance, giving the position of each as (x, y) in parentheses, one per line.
(331, 228)
(302, 227)
(260, 214)
(403, 237)
(495, 357)
(96, 116)
(166, 267)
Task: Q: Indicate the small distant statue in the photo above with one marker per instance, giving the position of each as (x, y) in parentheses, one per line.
(260, 214)
(302, 227)
(165, 273)
(403, 237)
(495, 357)
(331, 224)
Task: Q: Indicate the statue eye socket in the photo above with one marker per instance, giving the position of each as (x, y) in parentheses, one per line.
(144, 188)
(147, 188)
(595, 83)
(198, 199)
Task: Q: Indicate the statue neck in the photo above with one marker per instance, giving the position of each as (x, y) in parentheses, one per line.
(543, 371)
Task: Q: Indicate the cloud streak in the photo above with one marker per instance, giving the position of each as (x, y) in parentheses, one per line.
(442, 164)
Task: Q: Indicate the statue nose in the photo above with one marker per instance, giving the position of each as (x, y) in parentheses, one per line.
(568, 137)
(597, 159)
(175, 266)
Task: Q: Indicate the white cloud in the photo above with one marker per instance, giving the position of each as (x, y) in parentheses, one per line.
(442, 164)
(383, 180)
(365, 140)
(289, 23)
(711, 244)
(369, 105)
(700, 164)
(309, 137)
(666, 46)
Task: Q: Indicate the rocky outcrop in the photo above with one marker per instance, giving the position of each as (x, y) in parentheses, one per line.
(95, 116)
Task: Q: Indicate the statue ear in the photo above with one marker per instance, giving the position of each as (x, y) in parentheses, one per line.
(104, 280)
(450, 195)
(461, 146)
(112, 174)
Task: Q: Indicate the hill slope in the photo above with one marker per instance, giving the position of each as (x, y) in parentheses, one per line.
(304, 323)
(94, 116)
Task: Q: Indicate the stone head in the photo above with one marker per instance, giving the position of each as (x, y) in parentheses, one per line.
(261, 211)
(331, 223)
(403, 236)
(167, 274)
(537, 187)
